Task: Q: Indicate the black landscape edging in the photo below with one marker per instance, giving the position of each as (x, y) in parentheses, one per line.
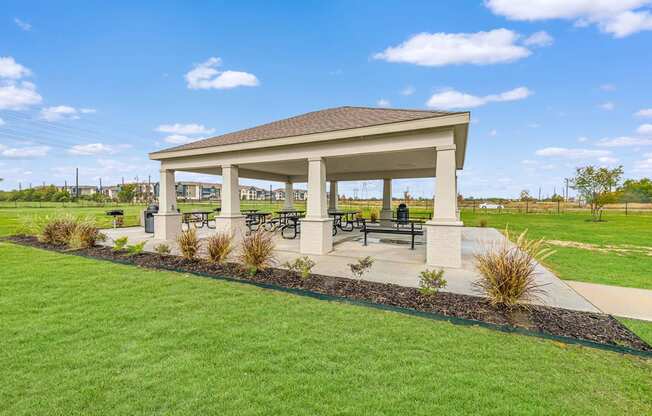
(341, 299)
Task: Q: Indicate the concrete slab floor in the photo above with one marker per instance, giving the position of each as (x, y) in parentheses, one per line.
(394, 261)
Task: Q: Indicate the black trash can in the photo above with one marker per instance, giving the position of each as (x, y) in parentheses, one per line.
(149, 217)
(402, 213)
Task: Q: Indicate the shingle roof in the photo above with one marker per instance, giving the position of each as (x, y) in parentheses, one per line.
(331, 119)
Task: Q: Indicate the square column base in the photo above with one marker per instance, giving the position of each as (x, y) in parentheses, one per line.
(386, 217)
(444, 244)
(234, 225)
(167, 226)
(316, 236)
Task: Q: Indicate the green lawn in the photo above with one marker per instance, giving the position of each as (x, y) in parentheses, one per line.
(616, 252)
(80, 336)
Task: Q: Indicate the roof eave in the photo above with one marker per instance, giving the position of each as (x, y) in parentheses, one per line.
(449, 120)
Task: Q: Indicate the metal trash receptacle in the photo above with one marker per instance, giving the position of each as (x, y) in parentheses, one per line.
(149, 217)
(402, 214)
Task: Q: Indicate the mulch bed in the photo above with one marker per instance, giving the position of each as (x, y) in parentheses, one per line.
(586, 326)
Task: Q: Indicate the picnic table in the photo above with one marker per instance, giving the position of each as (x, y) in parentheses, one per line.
(255, 219)
(289, 220)
(343, 220)
(197, 218)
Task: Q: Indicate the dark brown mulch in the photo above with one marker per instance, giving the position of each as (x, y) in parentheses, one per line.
(595, 327)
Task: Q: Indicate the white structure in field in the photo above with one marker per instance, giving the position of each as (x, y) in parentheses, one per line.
(322, 148)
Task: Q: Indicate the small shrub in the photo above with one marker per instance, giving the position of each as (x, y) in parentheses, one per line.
(483, 222)
(57, 230)
(508, 270)
(188, 243)
(362, 266)
(120, 244)
(135, 249)
(219, 247)
(373, 215)
(85, 235)
(431, 281)
(302, 266)
(162, 249)
(257, 251)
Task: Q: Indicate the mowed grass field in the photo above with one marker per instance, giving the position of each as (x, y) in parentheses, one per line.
(615, 252)
(81, 336)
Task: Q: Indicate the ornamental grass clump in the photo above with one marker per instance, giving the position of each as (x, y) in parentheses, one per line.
(257, 251)
(188, 244)
(85, 235)
(58, 230)
(509, 270)
(162, 249)
(219, 247)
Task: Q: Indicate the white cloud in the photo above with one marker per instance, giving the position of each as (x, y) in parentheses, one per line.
(582, 139)
(540, 39)
(2, 122)
(608, 87)
(439, 49)
(185, 129)
(646, 112)
(87, 110)
(608, 160)
(11, 69)
(383, 103)
(59, 112)
(644, 165)
(493, 133)
(18, 95)
(408, 90)
(449, 99)
(96, 149)
(607, 106)
(204, 76)
(619, 18)
(623, 141)
(529, 162)
(178, 139)
(566, 153)
(645, 129)
(23, 152)
(22, 25)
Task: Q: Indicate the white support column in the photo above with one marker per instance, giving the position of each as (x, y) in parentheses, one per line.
(317, 226)
(386, 211)
(167, 222)
(444, 231)
(230, 219)
(289, 196)
(332, 196)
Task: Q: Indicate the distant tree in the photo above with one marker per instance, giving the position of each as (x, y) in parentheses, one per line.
(525, 195)
(636, 190)
(596, 186)
(556, 198)
(127, 192)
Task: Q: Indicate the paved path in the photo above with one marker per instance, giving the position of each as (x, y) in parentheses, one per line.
(620, 301)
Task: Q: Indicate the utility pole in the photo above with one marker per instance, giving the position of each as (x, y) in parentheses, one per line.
(566, 189)
(76, 182)
(539, 194)
(20, 186)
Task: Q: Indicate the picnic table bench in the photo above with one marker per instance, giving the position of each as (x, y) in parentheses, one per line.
(403, 227)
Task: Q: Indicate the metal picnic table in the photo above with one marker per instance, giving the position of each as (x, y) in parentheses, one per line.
(343, 220)
(197, 218)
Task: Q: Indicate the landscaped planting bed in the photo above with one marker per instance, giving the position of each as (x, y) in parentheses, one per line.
(583, 326)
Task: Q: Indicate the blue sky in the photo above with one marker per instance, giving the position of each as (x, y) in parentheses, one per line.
(550, 85)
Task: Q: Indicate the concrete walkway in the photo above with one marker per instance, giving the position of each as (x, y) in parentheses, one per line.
(620, 301)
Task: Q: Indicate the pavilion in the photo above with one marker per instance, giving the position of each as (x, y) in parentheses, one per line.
(327, 146)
